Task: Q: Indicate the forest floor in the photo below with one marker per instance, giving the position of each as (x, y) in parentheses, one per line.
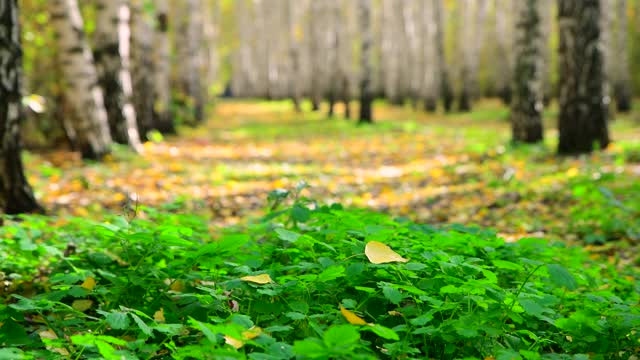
(455, 168)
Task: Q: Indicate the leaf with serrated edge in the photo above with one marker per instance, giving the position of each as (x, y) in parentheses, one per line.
(379, 253)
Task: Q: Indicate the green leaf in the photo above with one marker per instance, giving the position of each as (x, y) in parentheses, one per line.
(12, 354)
(287, 235)
(331, 273)
(300, 213)
(117, 320)
(295, 315)
(144, 327)
(561, 276)
(392, 294)
(311, 348)
(383, 332)
(341, 337)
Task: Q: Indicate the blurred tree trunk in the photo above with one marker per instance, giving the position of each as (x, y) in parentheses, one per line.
(88, 126)
(294, 16)
(143, 69)
(621, 80)
(112, 56)
(527, 101)
(441, 65)
(189, 50)
(161, 52)
(505, 46)
(473, 18)
(16, 196)
(430, 72)
(546, 15)
(366, 68)
(583, 110)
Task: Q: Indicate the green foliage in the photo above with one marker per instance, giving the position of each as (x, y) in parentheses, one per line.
(161, 285)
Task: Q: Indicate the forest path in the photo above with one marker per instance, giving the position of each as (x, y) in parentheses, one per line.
(438, 169)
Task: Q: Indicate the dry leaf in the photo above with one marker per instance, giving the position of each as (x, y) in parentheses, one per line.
(258, 279)
(351, 317)
(233, 342)
(82, 305)
(379, 253)
(159, 315)
(89, 283)
(177, 286)
(252, 333)
(50, 335)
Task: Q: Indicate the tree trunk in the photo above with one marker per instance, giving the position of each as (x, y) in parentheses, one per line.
(16, 195)
(189, 50)
(366, 68)
(504, 42)
(583, 111)
(621, 77)
(441, 65)
(142, 69)
(472, 32)
(112, 56)
(527, 102)
(295, 37)
(89, 126)
(430, 72)
(162, 118)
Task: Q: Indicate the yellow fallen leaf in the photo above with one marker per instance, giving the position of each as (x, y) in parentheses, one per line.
(89, 283)
(379, 253)
(47, 334)
(572, 172)
(82, 305)
(351, 317)
(258, 279)
(159, 315)
(177, 286)
(252, 333)
(233, 342)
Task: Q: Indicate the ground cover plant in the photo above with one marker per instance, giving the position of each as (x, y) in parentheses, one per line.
(306, 281)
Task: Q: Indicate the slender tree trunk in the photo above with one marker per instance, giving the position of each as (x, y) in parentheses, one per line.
(161, 52)
(621, 77)
(583, 110)
(189, 49)
(430, 72)
(143, 69)
(527, 102)
(112, 56)
(16, 195)
(445, 86)
(474, 12)
(366, 68)
(293, 18)
(89, 123)
(505, 44)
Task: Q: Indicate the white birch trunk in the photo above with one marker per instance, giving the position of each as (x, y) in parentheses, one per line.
(89, 123)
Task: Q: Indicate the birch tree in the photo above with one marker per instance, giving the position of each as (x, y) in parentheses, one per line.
(527, 102)
(16, 195)
(143, 69)
(504, 29)
(472, 32)
(189, 40)
(112, 55)
(621, 76)
(366, 68)
(583, 109)
(161, 52)
(87, 128)
(442, 70)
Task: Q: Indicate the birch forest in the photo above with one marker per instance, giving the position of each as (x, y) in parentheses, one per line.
(320, 179)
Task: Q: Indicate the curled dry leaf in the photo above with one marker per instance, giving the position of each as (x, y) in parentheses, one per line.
(258, 279)
(351, 317)
(250, 334)
(379, 253)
